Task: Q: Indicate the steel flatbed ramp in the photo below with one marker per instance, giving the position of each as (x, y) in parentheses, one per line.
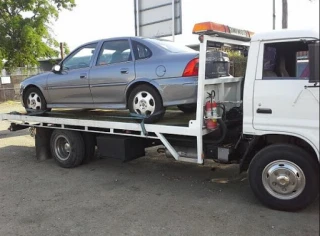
(172, 117)
(111, 122)
(103, 121)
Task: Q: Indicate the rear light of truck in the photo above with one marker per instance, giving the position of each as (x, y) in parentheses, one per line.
(192, 68)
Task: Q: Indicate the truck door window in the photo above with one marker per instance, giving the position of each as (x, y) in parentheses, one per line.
(283, 60)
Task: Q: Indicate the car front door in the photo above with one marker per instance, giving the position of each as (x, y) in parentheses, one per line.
(71, 85)
(112, 72)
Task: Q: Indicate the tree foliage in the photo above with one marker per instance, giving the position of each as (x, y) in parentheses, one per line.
(25, 33)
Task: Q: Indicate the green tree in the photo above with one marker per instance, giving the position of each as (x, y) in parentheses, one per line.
(25, 33)
(66, 49)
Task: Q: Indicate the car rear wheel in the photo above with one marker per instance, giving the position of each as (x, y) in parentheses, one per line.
(146, 101)
(188, 108)
(34, 100)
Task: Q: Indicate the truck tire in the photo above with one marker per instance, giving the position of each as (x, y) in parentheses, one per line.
(284, 177)
(67, 148)
(145, 100)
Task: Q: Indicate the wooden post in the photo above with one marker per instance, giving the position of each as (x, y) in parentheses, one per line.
(284, 14)
(61, 50)
(274, 14)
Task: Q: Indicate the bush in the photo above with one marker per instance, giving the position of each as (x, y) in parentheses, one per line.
(238, 63)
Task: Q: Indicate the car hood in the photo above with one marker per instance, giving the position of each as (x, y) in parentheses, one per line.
(35, 79)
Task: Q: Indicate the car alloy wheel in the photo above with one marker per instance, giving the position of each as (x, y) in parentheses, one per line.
(34, 101)
(144, 103)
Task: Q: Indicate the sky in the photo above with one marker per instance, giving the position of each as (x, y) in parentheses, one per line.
(96, 19)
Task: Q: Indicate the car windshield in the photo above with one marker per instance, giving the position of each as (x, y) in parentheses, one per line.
(171, 46)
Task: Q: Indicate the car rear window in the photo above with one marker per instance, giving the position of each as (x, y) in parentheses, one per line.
(171, 46)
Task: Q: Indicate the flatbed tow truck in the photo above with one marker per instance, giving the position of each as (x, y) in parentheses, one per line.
(267, 122)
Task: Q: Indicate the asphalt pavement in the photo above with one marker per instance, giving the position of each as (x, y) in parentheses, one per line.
(152, 195)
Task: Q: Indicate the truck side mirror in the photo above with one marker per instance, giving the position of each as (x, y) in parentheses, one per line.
(314, 62)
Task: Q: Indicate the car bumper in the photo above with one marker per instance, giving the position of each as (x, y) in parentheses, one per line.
(21, 94)
(178, 91)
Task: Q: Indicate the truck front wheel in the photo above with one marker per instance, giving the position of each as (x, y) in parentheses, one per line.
(67, 148)
(284, 177)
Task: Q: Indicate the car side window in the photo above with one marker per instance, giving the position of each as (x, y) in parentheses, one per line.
(115, 51)
(140, 51)
(285, 60)
(80, 58)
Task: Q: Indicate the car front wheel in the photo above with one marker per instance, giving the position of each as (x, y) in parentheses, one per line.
(146, 101)
(34, 100)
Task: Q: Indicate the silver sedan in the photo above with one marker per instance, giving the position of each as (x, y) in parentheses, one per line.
(140, 74)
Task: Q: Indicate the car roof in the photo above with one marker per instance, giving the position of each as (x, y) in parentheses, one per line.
(119, 38)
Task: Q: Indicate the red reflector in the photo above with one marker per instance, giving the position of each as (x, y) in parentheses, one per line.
(192, 68)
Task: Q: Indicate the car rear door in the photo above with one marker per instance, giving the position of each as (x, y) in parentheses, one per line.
(112, 72)
(71, 85)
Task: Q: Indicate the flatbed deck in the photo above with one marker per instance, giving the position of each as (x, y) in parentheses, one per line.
(172, 117)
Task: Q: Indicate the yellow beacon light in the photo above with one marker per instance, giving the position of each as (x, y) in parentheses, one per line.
(211, 28)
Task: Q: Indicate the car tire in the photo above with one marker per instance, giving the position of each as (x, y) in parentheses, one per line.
(284, 177)
(145, 100)
(67, 148)
(34, 100)
(188, 108)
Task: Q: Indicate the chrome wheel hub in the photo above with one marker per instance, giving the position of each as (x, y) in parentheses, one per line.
(144, 103)
(283, 179)
(62, 147)
(34, 101)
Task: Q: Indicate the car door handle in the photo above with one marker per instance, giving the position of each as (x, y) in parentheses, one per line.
(83, 75)
(124, 71)
(264, 110)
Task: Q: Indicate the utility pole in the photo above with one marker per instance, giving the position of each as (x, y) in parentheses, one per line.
(61, 50)
(284, 14)
(274, 14)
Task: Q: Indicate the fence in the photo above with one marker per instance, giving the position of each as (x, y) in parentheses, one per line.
(11, 91)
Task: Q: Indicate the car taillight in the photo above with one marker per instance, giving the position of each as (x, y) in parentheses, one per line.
(192, 68)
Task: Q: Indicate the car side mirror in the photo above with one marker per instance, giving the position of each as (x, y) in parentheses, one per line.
(314, 62)
(56, 68)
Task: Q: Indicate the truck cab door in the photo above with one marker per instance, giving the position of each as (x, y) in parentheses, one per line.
(284, 100)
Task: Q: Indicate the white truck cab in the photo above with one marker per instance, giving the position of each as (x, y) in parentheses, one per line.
(276, 100)
(280, 126)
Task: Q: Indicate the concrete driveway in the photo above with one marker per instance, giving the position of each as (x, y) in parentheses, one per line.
(152, 195)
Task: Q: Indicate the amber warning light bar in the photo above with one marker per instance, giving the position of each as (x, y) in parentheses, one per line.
(211, 28)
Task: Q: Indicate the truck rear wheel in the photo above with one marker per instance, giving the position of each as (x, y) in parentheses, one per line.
(284, 177)
(67, 148)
